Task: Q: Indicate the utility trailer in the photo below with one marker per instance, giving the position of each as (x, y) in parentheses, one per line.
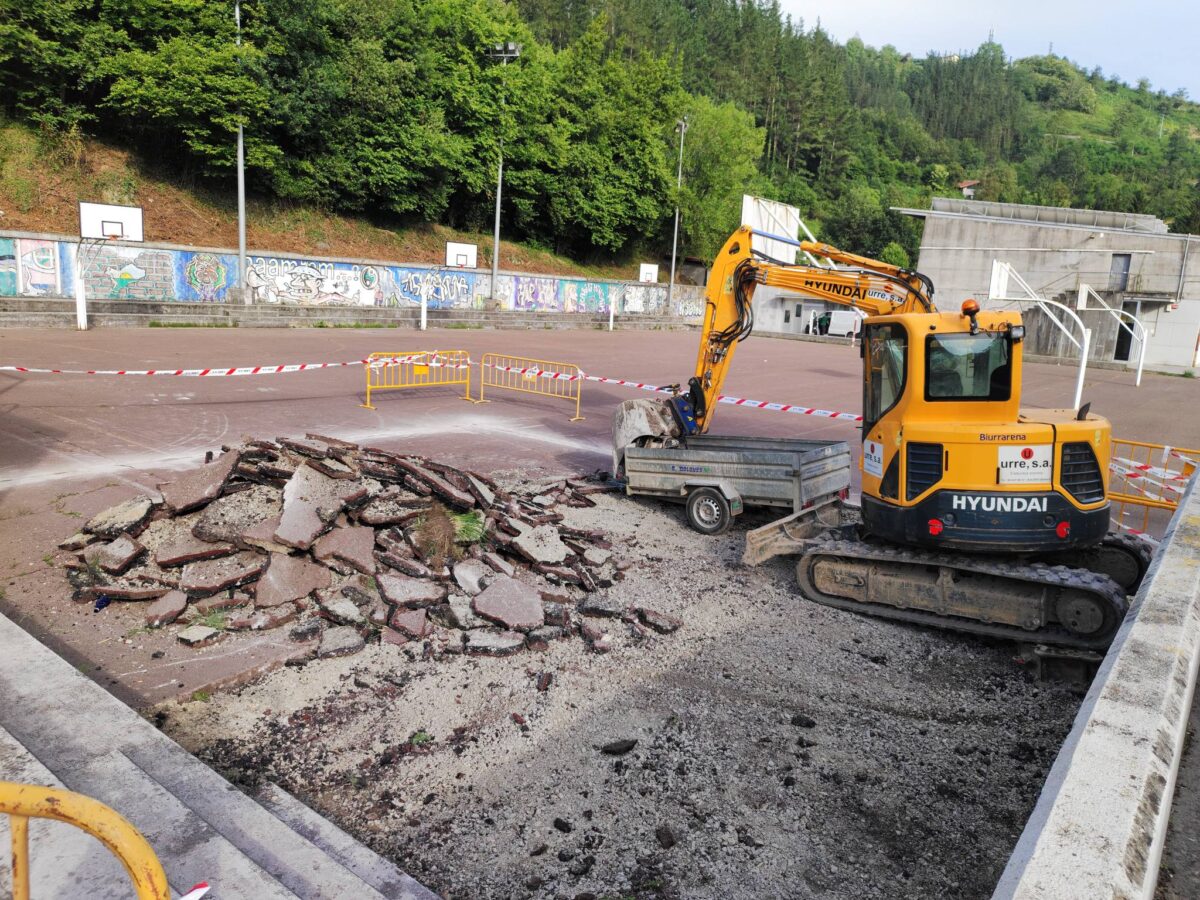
(717, 477)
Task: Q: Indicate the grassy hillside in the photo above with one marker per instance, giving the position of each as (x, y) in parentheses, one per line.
(42, 181)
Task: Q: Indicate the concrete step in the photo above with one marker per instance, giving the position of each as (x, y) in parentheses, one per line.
(62, 729)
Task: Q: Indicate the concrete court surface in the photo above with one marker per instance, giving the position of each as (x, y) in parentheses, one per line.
(74, 445)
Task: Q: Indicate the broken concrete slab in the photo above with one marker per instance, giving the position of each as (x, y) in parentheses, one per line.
(472, 576)
(77, 541)
(166, 609)
(601, 605)
(393, 507)
(122, 518)
(540, 544)
(413, 623)
(199, 636)
(311, 503)
(264, 619)
(340, 641)
(226, 518)
(404, 564)
(200, 486)
(262, 536)
(113, 557)
(289, 578)
(306, 447)
(123, 590)
(362, 589)
(202, 579)
(393, 637)
(499, 563)
(594, 556)
(401, 590)
(334, 468)
(439, 485)
(354, 545)
(510, 603)
(492, 642)
(484, 494)
(218, 602)
(335, 605)
(188, 548)
(659, 621)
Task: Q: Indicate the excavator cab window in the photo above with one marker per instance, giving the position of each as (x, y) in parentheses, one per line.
(885, 356)
(968, 366)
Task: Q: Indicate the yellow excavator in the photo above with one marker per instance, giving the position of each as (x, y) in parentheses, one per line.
(976, 515)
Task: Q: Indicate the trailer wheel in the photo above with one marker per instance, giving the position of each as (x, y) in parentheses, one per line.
(708, 511)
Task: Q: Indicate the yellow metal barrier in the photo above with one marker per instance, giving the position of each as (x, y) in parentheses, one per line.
(22, 802)
(422, 368)
(531, 376)
(1150, 478)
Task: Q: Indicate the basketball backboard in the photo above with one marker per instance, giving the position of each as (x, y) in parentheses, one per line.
(104, 221)
(461, 256)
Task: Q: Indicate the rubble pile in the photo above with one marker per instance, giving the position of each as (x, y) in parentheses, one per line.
(345, 545)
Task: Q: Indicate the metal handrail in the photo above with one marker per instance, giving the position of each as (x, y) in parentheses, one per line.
(22, 802)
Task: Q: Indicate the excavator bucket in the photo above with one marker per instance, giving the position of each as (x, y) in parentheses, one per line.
(637, 419)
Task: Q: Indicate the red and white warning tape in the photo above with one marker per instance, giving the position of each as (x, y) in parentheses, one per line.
(426, 359)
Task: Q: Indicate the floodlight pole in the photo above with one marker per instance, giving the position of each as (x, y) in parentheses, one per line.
(241, 181)
(503, 52)
(681, 127)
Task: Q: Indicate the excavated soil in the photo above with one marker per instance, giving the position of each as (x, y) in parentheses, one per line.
(768, 748)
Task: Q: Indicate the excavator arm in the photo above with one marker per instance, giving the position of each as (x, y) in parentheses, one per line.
(875, 287)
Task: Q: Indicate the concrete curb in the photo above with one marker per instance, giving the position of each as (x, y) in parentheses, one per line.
(1100, 823)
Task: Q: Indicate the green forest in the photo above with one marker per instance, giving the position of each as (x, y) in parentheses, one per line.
(394, 109)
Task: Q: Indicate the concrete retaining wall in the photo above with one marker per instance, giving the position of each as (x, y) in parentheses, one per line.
(1099, 826)
(43, 265)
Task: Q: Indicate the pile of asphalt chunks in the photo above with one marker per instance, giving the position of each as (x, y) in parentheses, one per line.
(342, 543)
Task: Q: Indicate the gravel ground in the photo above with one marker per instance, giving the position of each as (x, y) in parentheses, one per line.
(782, 749)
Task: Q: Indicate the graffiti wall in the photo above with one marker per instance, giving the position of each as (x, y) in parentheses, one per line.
(37, 267)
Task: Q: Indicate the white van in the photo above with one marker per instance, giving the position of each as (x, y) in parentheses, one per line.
(846, 322)
(842, 322)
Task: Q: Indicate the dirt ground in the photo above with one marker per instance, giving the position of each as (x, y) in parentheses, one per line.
(782, 749)
(925, 751)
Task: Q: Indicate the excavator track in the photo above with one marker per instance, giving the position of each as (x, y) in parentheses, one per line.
(1122, 557)
(996, 597)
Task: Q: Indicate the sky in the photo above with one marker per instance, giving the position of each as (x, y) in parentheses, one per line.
(1153, 39)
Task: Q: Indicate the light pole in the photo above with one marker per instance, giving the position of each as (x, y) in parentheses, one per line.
(503, 52)
(681, 127)
(241, 181)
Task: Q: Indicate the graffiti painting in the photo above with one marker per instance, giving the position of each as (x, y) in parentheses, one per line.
(39, 268)
(536, 294)
(204, 277)
(439, 288)
(8, 267)
(584, 296)
(644, 298)
(130, 273)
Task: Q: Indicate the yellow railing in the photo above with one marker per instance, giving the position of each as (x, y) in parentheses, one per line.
(531, 376)
(1145, 479)
(422, 368)
(22, 802)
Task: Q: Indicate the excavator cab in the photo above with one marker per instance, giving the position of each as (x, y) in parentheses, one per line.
(950, 460)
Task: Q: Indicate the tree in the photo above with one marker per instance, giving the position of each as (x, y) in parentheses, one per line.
(721, 153)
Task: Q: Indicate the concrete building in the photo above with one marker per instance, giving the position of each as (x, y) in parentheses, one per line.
(1130, 260)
